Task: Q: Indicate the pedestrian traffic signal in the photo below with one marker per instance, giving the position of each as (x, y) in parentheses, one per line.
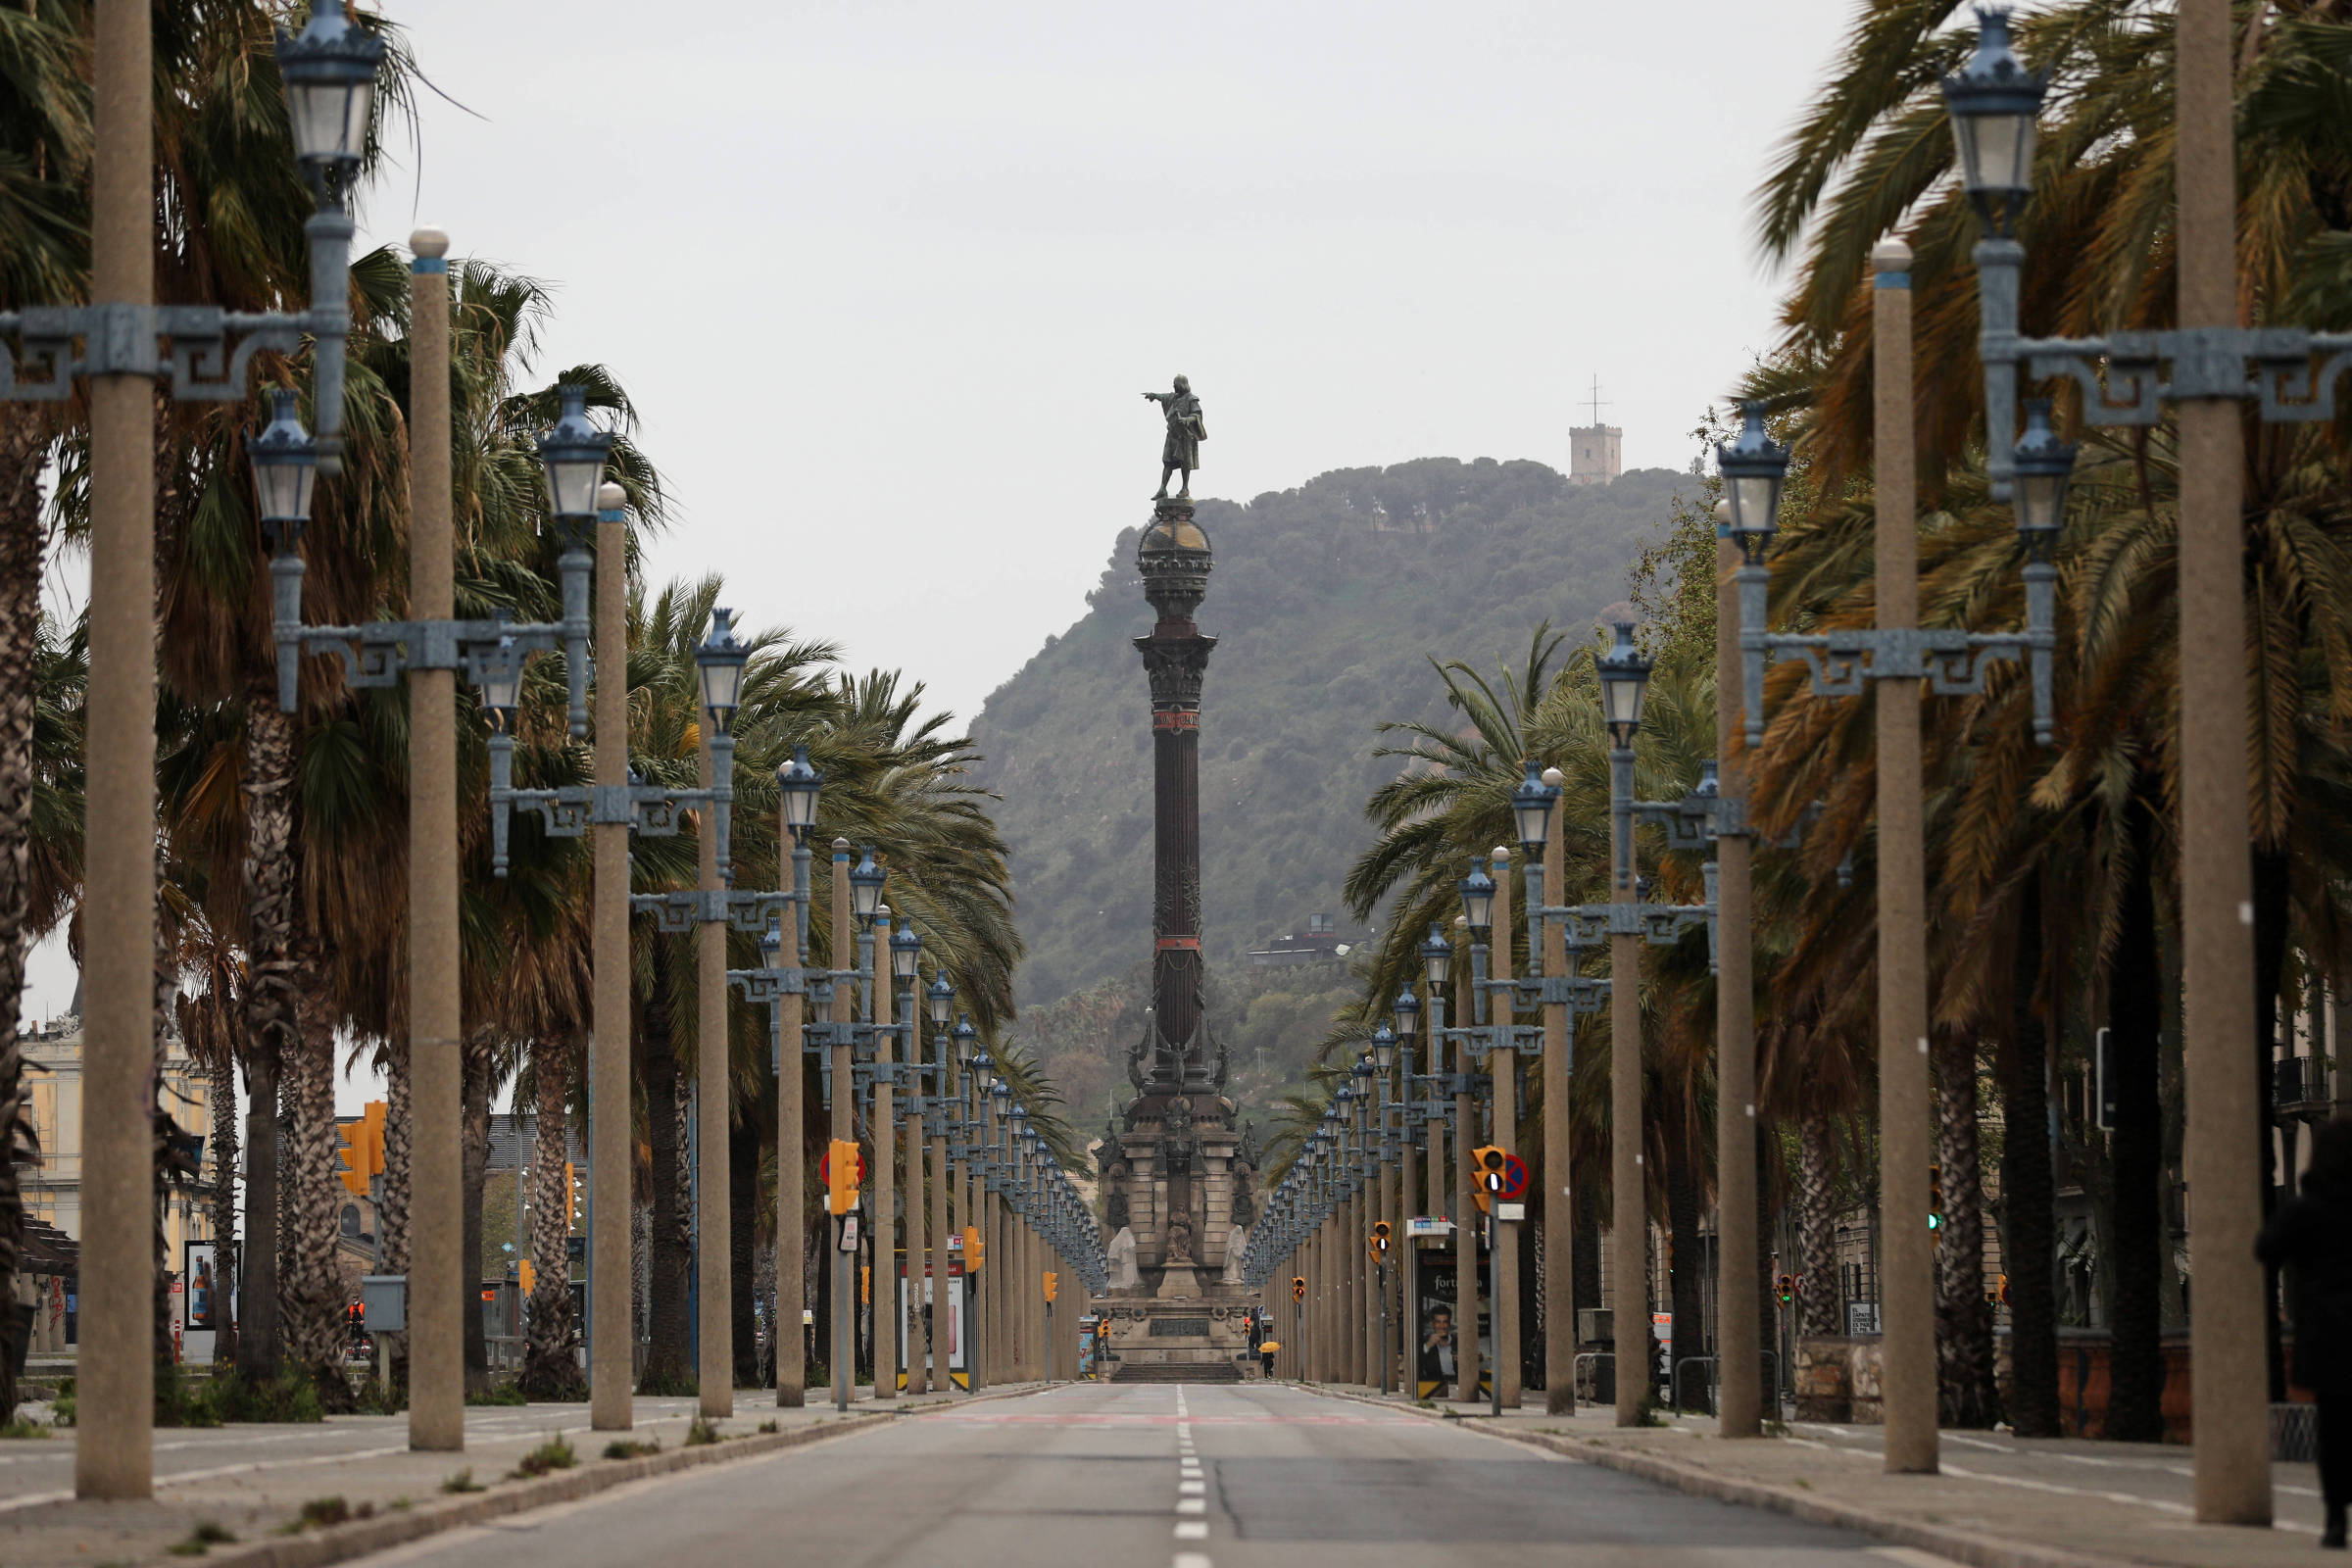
(1934, 1198)
(1485, 1173)
(1053, 1284)
(973, 1247)
(841, 1170)
(1297, 1287)
(1380, 1240)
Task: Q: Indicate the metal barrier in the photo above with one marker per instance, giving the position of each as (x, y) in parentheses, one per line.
(2295, 1434)
(1576, 1370)
(1715, 1380)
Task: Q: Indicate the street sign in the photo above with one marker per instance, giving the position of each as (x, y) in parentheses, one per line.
(849, 1233)
(1429, 1225)
(1510, 1210)
(1514, 1180)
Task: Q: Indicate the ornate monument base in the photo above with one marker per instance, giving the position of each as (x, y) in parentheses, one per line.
(1201, 1338)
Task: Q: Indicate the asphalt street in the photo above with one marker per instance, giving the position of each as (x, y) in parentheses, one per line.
(1152, 1474)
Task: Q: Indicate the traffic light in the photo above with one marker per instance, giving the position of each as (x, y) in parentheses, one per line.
(1485, 1172)
(1053, 1284)
(1934, 1198)
(1380, 1240)
(1788, 1288)
(1297, 1287)
(526, 1276)
(973, 1247)
(363, 1148)
(865, 1285)
(572, 1195)
(843, 1166)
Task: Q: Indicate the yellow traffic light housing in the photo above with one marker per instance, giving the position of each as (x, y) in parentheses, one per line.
(842, 1170)
(526, 1276)
(1297, 1287)
(1381, 1233)
(973, 1247)
(1485, 1172)
(1053, 1284)
(363, 1148)
(1934, 1198)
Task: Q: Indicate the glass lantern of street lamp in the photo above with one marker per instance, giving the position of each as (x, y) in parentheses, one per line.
(2045, 465)
(500, 671)
(1477, 899)
(865, 887)
(797, 785)
(940, 997)
(1753, 467)
(571, 458)
(1384, 1047)
(968, 1042)
(719, 663)
(1020, 1121)
(1002, 1093)
(1992, 104)
(285, 466)
(329, 75)
(1437, 958)
(906, 952)
(1623, 681)
(771, 942)
(1531, 807)
(1405, 1016)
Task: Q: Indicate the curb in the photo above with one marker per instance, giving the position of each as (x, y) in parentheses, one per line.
(1960, 1546)
(363, 1538)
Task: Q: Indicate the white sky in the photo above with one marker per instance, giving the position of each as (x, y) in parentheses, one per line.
(887, 276)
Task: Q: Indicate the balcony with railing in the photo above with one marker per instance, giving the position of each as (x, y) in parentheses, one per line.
(2299, 1089)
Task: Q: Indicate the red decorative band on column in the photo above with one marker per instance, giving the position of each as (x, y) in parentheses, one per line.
(1177, 945)
(1178, 719)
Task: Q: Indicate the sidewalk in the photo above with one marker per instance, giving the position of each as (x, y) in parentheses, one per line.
(2000, 1502)
(254, 1482)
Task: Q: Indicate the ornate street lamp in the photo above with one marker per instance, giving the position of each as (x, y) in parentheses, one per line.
(1754, 466)
(285, 466)
(719, 662)
(1624, 682)
(329, 73)
(1531, 808)
(940, 997)
(865, 887)
(572, 460)
(1405, 1015)
(906, 952)
(1437, 960)
(1384, 1041)
(1478, 899)
(1993, 102)
(797, 785)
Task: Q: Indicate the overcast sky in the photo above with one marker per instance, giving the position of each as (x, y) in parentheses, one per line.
(886, 278)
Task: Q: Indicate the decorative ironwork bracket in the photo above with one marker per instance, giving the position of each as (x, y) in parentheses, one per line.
(648, 809)
(678, 913)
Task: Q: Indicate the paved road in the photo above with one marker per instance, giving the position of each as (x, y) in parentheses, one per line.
(1100, 1476)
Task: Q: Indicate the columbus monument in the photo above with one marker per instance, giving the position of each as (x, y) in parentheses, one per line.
(1178, 1174)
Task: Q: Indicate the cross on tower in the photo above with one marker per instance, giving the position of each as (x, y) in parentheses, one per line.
(1598, 405)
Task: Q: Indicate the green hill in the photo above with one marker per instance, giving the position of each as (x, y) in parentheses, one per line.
(1327, 600)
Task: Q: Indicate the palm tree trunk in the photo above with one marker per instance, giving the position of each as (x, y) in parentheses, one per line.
(270, 1023)
(474, 1166)
(311, 1292)
(23, 446)
(665, 1362)
(2030, 1251)
(1816, 1225)
(1963, 1318)
(1684, 1258)
(220, 1091)
(743, 1218)
(551, 1368)
(2134, 988)
(392, 1203)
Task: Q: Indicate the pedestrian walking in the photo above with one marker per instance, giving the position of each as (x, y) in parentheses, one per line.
(2312, 1236)
(1266, 1354)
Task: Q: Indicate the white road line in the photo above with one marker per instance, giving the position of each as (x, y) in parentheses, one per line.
(1188, 1488)
(1191, 1560)
(1192, 1505)
(1191, 1530)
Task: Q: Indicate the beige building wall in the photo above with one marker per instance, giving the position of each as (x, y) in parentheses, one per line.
(1595, 454)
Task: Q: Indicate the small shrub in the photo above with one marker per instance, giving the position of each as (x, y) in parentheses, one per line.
(553, 1454)
(770, 1425)
(631, 1449)
(400, 1505)
(462, 1481)
(701, 1433)
(61, 1412)
(375, 1396)
(21, 1428)
(321, 1512)
(204, 1538)
(287, 1397)
(507, 1392)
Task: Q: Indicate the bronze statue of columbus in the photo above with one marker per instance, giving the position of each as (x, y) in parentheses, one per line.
(1181, 452)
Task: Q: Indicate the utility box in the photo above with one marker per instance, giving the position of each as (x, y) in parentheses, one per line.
(385, 1298)
(1596, 1325)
